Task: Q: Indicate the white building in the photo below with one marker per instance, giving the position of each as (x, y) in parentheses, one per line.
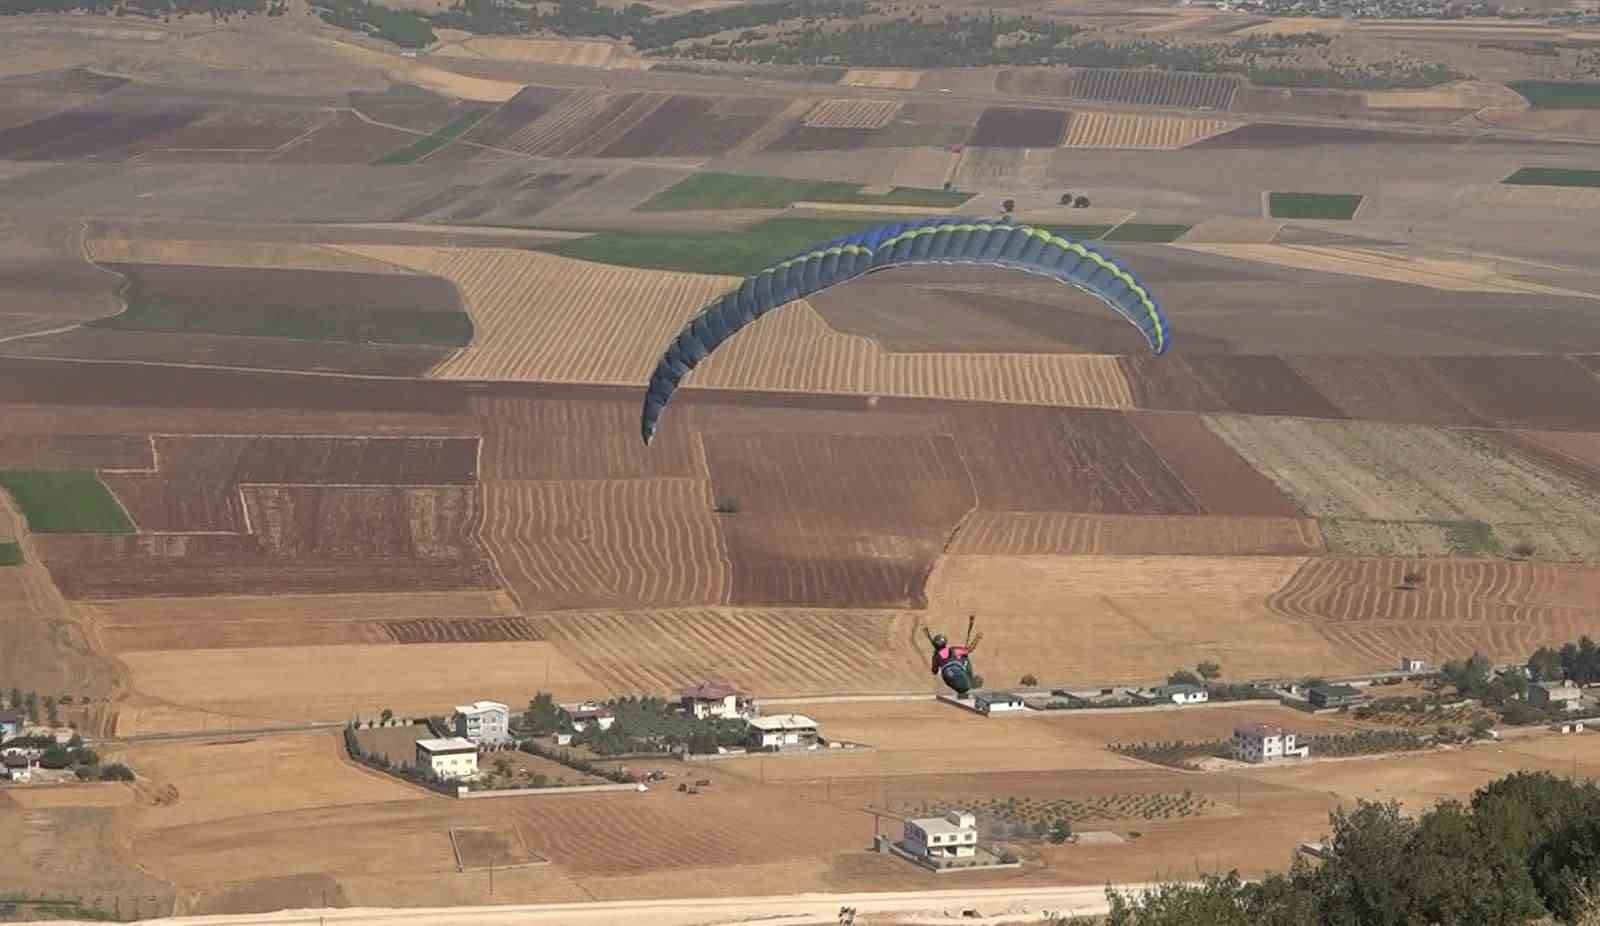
(997, 702)
(450, 758)
(954, 835)
(483, 722)
(11, 724)
(1182, 694)
(1259, 742)
(1412, 664)
(783, 731)
(1556, 695)
(582, 715)
(715, 699)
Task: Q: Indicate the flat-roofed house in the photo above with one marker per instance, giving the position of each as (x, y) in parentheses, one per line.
(954, 835)
(451, 757)
(486, 723)
(783, 731)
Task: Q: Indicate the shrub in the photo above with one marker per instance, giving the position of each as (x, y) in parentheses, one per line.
(727, 504)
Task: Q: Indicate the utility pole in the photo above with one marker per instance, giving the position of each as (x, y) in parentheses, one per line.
(491, 879)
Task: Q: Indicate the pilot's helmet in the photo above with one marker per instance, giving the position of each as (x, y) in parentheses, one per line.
(939, 640)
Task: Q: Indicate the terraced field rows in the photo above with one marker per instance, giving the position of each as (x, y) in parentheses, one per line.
(585, 123)
(1130, 130)
(1376, 643)
(851, 114)
(1022, 533)
(1153, 88)
(1078, 380)
(593, 543)
(776, 652)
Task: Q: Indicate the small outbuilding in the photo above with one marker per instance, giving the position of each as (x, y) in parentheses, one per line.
(1324, 696)
(783, 731)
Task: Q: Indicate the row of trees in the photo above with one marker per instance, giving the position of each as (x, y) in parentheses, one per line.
(640, 725)
(40, 708)
(1523, 848)
(84, 762)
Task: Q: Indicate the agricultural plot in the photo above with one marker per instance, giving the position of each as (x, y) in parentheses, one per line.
(1546, 393)
(511, 198)
(1218, 478)
(345, 139)
(836, 520)
(1003, 168)
(584, 123)
(65, 502)
(529, 104)
(325, 306)
(1155, 88)
(160, 504)
(1091, 129)
(95, 130)
(441, 137)
(851, 114)
(411, 107)
(1147, 232)
(1252, 385)
(276, 459)
(1554, 94)
(1034, 533)
(222, 350)
(75, 451)
(1313, 205)
(1014, 127)
(817, 138)
(1383, 388)
(135, 244)
(658, 651)
(600, 544)
(881, 79)
(364, 523)
(1555, 176)
(1504, 610)
(47, 282)
(737, 191)
(257, 131)
(1466, 483)
(1057, 459)
(934, 125)
(556, 439)
(494, 848)
(1126, 618)
(694, 126)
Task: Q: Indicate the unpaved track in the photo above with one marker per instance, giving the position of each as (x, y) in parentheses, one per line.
(995, 905)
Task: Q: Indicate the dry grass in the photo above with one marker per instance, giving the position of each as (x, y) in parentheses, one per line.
(554, 319)
(1462, 95)
(299, 683)
(1090, 129)
(928, 168)
(852, 114)
(240, 776)
(887, 80)
(105, 794)
(1022, 533)
(535, 51)
(224, 253)
(1434, 273)
(1124, 618)
(1541, 197)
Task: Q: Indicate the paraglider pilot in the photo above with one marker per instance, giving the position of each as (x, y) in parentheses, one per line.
(953, 664)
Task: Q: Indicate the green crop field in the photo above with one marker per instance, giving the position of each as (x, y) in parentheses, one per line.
(736, 253)
(425, 146)
(1078, 232)
(1159, 234)
(299, 322)
(1554, 176)
(1556, 94)
(10, 554)
(65, 502)
(737, 191)
(1313, 205)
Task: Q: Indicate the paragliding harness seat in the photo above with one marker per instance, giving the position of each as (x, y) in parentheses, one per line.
(954, 666)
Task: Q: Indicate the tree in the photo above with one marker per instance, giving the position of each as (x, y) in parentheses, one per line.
(502, 766)
(1523, 550)
(1028, 681)
(1209, 670)
(387, 715)
(1060, 831)
(1066, 199)
(1361, 879)
(1082, 202)
(1481, 727)
(727, 504)
(1545, 664)
(50, 713)
(1183, 677)
(15, 700)
(55, 757)
(543, 717)
(31, 702)
(1412, 579)
(1566, 869)
(1009, 206)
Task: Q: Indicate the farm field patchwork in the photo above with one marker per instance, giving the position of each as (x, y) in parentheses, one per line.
(300, 304)
(1555, 94)
(1313, 205)
(442, 136)
(65, 502)
(1032, 533)
(1471, 487)
(736, 191)
(851, 114)
(1386, 388)
(1218, 478)
(1016, 127)
(555, 439)
(1154, 88)
(1092, 129)
(1555, 176)
(345, 139)
(232, 351)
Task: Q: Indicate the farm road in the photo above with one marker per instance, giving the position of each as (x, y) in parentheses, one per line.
(995, 905)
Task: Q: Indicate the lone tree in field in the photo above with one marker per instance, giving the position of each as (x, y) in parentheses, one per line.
(387, 715)
(1082, 202)
(1524, 550)
(727, 505)
(1209, 670)
(1028, 681)
(1009, 206)
(1412, 580)
(1066, 199)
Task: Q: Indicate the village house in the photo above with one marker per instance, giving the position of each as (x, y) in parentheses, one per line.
(954, 835)
(1555, 695)
(997, 702)
(582, 715)
(450, 758)
(1259, 742)
(486, 723)
(1324, 696)
(11, 723)
(1412, 664)
(716, 699)
(1179, 694)
(18, 768)
(783, 731)
(1097, 697)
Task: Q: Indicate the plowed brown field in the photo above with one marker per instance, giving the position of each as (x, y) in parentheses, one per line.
(1154, 88)
(1080, 460)
(161, 504)
(1252, 385)
(1506, 610)
(1218, 478)
(774, 652)
(274, 459)
(1017, 127)
(588, 439)
(1022, 533)
(76, 451)
(852, 114)
(1551, 393)
(1383, 388)
(834, 519)
(620, 543)
(364, 523)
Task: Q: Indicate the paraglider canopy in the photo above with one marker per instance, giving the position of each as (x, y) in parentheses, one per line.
(944, 240)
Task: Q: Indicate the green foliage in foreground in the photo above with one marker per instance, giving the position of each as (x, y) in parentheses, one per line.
(10, 554)
(1524, 847)
(1554, 176)
(65, 502)
(1313, 205)
(1558, 94)
(739, 191)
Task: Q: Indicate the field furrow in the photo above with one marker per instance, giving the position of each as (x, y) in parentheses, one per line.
(1132, 130)
(851, 114)
(1023, 533)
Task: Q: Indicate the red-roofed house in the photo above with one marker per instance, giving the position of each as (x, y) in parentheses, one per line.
(716, 699)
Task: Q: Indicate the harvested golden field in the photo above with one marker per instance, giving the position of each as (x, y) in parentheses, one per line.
(239, 776)
(1505, 610)
(928, 168)
(534, 51)
(231, 622)
(99, 794)
(310, 683)
(888, 80)
(1369, 471)
(851, 114)
(599, 543)
(1090, 129)
(609, 324)
(1435, 273)
(1031, 533)
(771, 651)
(225, 253)
(43, 641)
(1125, 618)
(1461, 95)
